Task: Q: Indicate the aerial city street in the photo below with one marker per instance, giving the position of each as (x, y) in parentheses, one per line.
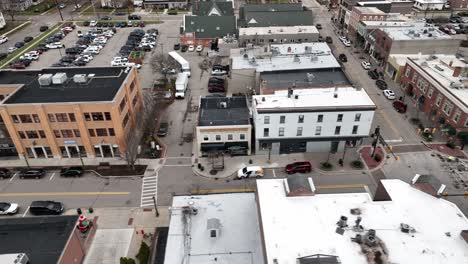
(233, 131)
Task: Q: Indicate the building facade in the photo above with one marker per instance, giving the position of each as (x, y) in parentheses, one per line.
(430, 4)
(359, 14)
(204, 30)
(438, 88)
(2, 21)
(87, 115)
(277, 35)
(458, 4)
(224, 126)
(317, 120)
(164, 4)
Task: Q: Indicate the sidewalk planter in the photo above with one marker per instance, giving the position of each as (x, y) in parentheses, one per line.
(137, 57)
(326, 166)
(377, 157)
(357, 164)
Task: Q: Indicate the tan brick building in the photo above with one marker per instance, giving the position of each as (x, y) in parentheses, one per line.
(67, 112)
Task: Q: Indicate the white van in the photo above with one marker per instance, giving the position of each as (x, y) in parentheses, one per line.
(250, 172)
(181, 85)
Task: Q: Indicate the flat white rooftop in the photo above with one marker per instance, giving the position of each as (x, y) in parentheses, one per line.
(439, 68)
(294, 227)
(278, 30)
(320, 98)
(370, 10)
(233, 215)
(415, 33)
(400, 24)
(283, 57)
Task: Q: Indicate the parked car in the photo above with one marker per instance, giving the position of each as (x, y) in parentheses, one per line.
(3, 55)
(218, 72)
(176, 46)
(43, 28)
(28, 39)
(19, 44)
(366, 65)
(389, 94)
(71, 172)
(106, 18)
(134, 17)
(318, 26)
(3, 39)
(184, 48)
(5, 173)
(302, 166)
(55, 45)
(11, 49)
(163, 128)
(328, 39)
(93, 23)
(35, 173)
(191, 48)
(373, 74)
(8, 208)
(46, 208)
(347, 43)
(342, 57)
(199, 48)
(17, 66)
(381, 84)
(249, 172)
(320, 39)
(216, 88)
(399, 106)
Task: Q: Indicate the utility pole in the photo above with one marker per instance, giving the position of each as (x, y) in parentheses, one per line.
(155, 206)
(376, 140)
(58, 8)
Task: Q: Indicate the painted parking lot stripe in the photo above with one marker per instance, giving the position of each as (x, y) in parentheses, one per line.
(61, 194)
(27, 210)
(51, 177)
(14, 175)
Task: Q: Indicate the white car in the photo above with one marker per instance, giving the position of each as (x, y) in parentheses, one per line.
(12, 49)
(55, 45)
(342, 38)
(249, 172)
(3, 39)
(389, 94)
(8, 208)
(92, 23)
(347, 43)
(30, 56)
(366, 65)
(218, 72)
(131, 64)
(199, 48)
(191, 48)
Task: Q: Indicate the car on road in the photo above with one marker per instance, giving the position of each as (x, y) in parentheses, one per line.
(399, 106)
(249, 172)
(54, 45)
(134, 17)
(328, 40)
(318, 26)
(46, 208)
(11, 49)
(389, 94)
(342, 57)
(35, 173)
(106, 18)
(3, 39)
(199, 48)
(168, 71)
(177, 46)
(301, 166)
(218, 72)
(28, 39)
(8, 208)
(191, 48)
(347, 43)
(381, 84)
(43, 28)
(3, 55)
(366, 65)
(71, 172)
(5, 173)
(374, 75)
(163, 128)
(320, 39)
(19, 44)
(62, 6)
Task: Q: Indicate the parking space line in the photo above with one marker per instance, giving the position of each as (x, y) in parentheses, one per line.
(274, 173)
(27, 210)
(51, 177)
(14, 175)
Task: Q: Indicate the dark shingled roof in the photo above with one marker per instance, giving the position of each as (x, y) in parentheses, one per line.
(42, 238)
(267, 15)
(204, 8)
(212, 114)
(103, 87)
(211, 26)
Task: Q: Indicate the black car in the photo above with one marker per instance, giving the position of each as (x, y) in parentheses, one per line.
(26, 62)
(343, 57)
(318, 26)
(72, 51)
(5, 173)
(320, 39)
(46, 208)
(163, 128)
(106, 18)
(19, 44)
(153, 30)
(184, 48)
(3, 55)
(86, 23)
(119, 13)
(373, 74)
(177, 46)
(98, 24)
(32, 173)
(71, 172)
(123, 24)
(134, 17)
(43, 28)
(28, 39)
(381, 84)
(328, 39)
(214, 80)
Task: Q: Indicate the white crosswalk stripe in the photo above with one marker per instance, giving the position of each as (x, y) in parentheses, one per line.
(149, 188)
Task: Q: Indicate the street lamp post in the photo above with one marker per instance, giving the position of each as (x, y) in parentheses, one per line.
(155, 206)
(58, 8)
(26, 159)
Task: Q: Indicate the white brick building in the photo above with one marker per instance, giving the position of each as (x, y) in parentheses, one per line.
(314, 120)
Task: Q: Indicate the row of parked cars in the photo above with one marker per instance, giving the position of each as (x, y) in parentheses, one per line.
(139, 40)
(217, 82)
(36, 208)
(37, 173)
(88, 45)
(190, 48)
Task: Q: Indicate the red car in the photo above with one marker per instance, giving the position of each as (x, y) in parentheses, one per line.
(399, 106)
(303, 166)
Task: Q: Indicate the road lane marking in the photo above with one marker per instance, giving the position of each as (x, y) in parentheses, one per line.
(14, 175)
(338, 186)
(61, 194)
(51, 177)
(274, 173)
(27, 210)
(149, 189)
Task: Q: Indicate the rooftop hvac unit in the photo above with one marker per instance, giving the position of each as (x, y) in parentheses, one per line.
(59, 78)
(223, 105)
(45, 79)
(417, 35)
(79, 78)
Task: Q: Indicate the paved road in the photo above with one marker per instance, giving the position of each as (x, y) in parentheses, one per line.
(87, 191)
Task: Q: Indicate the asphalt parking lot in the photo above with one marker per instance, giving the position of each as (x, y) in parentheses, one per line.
(81, 192)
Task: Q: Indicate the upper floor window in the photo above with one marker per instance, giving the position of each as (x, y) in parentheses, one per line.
(355, 129)
(51, 117)
(266, 132)
(319, 118)
(337, 130)
(339, 118)
(36, 118)
(266, 120)
(300, 119)
(15, 118)
(357, 117)
(242, 136)
(25, 118)
(282, 119)
(61, 117)
(281, 132)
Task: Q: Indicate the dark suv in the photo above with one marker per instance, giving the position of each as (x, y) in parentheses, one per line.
(32, 173)
(46, 208)
(5, 173)
(71, 172)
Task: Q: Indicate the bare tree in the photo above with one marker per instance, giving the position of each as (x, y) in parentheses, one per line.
(162, 63)
(10, 8)
(142, 119)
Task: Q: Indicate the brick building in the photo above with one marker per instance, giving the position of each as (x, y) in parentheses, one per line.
(438, 86)
(70, 112)
(458, 4)
(359, 14)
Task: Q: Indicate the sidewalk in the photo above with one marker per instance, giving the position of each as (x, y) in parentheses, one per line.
(232, 164)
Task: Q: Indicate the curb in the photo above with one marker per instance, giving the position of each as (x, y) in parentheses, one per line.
(17, 28)
(118, 177)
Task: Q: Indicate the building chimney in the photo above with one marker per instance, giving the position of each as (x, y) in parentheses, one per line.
(457, 71)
